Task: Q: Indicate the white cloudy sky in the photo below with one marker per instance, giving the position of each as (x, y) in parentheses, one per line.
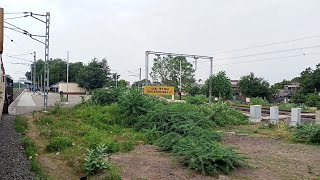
(122, 30)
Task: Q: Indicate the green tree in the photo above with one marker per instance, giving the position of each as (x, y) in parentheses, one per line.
(252, 86)
(140, 83)
(221, 86)
(122, 83)
(310, 80)
(166, 71)
(95, 75)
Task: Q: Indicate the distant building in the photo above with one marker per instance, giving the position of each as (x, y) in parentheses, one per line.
(235, 87)
(72, 88)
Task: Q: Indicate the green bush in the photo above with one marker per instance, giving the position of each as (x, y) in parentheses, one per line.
(186, 131)
(94, 160)
(105, 96)
(259, 101)
(313, 100)
(197, 100)
(21, 125)
(207, 157)
(222, 115)
(309, 133)
(59, 144)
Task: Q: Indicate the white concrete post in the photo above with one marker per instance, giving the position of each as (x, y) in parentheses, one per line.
(295, 116)
(318, 117)
(274, 114)
(255, 113)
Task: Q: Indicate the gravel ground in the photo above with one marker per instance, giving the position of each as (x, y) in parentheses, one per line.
(14, 163)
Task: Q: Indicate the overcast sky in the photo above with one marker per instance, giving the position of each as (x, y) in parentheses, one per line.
(122, 30)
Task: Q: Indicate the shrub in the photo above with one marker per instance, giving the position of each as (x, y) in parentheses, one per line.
(94, 160)
(207, 157)
(178, 118)
(222, 115)
(309, 133)
(59, 144)
(259, 101)
(185, 130)
(313, 100)
(105, 96)
(94, 137)
(197, 100)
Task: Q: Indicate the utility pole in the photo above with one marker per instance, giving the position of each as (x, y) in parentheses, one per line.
(34, 72)
(140, 85)
(210, 82)
(31, 77)
(46, 60)
(180, 86)
(116, 80)
(38, 87)
(41, 84)
(67, 77)
(147, 66)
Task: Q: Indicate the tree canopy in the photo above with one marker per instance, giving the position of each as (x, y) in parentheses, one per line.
(252, 86)
(166, 71)
(221, 86)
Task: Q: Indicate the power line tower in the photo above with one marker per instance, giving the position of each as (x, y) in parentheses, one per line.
(46, 61)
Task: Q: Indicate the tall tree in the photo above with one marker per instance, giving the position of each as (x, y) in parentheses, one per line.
(221, 86)
(310, 80)
(252, 86)
(166, 71)
(95, 75)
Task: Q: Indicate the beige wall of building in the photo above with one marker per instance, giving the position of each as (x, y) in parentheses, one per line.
(73, 88)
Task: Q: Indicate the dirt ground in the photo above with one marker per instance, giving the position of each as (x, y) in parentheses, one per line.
(268, 159)
(275, 159)
(147, 162)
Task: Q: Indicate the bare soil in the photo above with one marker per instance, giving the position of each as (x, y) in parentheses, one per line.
(275, 159)
(147, 162)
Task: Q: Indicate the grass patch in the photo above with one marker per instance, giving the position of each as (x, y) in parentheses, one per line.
(21, 125)
(59, 144)
(72, 131)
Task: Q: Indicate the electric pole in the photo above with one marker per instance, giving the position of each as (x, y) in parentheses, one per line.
(31, 77)
(34, 72)
(46, 62)
(67, 77)
(140, 85)
(180, 86)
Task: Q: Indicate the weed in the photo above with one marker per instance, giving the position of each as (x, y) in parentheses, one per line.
(309, 133)
(197, 99)
(127, 146)
(94, 161)
(113, 173)
(59, 144)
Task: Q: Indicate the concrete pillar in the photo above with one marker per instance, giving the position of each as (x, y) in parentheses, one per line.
(295, 116)
(274, 114)
(255, 113)
(318, 117)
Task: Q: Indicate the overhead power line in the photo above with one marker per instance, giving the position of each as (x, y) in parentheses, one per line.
(265, 53)
(259, 60)
(268, 44)
(19, 58)
(18, 17)
(11, 40)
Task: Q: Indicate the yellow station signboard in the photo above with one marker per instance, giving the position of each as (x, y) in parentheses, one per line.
(159, 90)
